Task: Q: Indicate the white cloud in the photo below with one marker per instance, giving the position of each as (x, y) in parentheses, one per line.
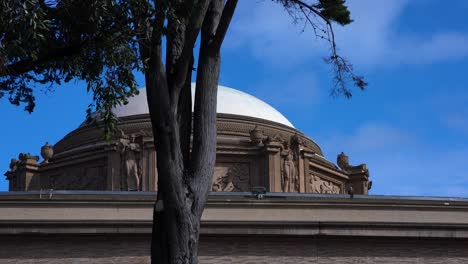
(298, 89)
(368, 39)
(371, 137)
(439, 47)
(267, 31)
(401, 165)
(372, 39)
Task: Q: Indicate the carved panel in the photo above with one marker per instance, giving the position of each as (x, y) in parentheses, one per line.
(319, 185)
(91, 177)
(231, 177)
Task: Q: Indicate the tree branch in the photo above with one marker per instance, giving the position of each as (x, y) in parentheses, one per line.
(204, 124)
(342, 68)
(193, 29)
(184, 117)
(30, 64)
(325, 19)
(224, 22)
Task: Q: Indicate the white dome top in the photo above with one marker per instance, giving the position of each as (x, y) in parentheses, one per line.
(230, 101)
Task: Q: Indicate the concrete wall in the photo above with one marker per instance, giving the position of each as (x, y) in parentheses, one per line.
(241, 249)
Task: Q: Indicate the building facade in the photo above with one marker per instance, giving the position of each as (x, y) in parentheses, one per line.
(257, 147)
(275, 199)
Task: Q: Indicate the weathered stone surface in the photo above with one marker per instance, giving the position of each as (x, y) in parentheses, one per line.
(251, 153)
(232, 249)
(231, 177)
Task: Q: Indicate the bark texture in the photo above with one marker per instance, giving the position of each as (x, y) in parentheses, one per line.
(184, 176)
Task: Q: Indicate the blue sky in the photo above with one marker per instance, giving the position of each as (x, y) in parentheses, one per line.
(410, 126)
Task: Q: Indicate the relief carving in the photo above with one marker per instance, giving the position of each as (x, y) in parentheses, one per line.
(319, 185)
(84, 177)
(231, 177)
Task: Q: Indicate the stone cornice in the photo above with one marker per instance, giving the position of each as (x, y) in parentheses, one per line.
(220, 228)
(238, 213)
(228, 125)
(233, 198)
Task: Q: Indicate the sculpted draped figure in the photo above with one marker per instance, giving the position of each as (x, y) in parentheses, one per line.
(289, 172)
(131, 152)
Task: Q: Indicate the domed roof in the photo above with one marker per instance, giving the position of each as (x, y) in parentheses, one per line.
(230, 101)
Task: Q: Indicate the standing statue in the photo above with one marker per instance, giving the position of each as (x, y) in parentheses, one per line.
(289, 172)
(131, 157)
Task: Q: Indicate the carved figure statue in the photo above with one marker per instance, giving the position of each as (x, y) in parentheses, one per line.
(289, 173)
(131, 153)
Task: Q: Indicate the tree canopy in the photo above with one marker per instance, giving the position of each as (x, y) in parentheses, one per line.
(48, 43)
(104, 42)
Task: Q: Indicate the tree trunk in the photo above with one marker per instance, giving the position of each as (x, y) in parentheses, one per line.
(176, 227)
(184, 178)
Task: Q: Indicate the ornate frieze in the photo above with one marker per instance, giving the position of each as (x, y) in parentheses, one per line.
(250, 152)
(83, 177)
(319, 185)
(231, 177)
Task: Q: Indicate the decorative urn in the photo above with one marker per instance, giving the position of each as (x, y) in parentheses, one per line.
(47, 152)
(343, 161)
(256, 136)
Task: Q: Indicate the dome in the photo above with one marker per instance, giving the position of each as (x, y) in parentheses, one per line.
(255, 146)
(230, 101)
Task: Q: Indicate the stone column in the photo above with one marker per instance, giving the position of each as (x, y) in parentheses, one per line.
(273, 166)
(26, 176)
(305, 157)
(148, 167)
(113, 168)
(359, 180)
(301, 170)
